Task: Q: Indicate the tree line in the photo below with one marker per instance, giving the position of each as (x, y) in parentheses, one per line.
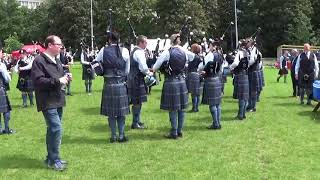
(281, 21)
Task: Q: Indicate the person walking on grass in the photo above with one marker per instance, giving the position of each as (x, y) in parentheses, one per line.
(174, 96)
(284, 66)
(137, 90)
(193, 79)
(306, 70)
(212, 89)
(24, 84)
(239, 67)
(49, 83)
(114, 103)
(5, 107)
(295, 84)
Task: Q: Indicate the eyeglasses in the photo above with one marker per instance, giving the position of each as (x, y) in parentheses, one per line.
(57, 44)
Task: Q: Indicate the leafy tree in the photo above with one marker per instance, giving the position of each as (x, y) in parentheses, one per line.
(141, 13)
(11, 18)
(12, 43)
(173, 14)
(315, 21)
(35, 27)
(299, 24)
(69, 19)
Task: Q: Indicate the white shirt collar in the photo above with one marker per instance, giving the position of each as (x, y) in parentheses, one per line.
(52, 58)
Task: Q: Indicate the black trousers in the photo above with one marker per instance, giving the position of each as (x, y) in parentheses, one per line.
(295, 84)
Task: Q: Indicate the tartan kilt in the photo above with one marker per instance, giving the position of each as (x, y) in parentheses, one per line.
(241, 87)
(137, 91)
(283, 71)
(114, 101)
(193, 83)
(174, 94)
(254, 83)
(87, 72)
(25, 84)
(212, 91)
(4, 101)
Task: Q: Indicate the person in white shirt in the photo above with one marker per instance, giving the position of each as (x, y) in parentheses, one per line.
(25, 85)
(114, 103)
(193, 79)
(174, 97)
(5, 107)
(239, 67)
(87, 72)
(306, 70)
(212, 91)
(137, 90)
(284, 66)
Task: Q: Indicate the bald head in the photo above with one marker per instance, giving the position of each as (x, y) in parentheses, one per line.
(306, 47)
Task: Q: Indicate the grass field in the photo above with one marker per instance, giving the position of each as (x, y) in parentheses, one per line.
(280, 141)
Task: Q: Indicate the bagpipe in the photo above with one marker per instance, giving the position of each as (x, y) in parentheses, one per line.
(89, 57)
(97, 65)
(165, 67)
(149, 80)
(217, 42)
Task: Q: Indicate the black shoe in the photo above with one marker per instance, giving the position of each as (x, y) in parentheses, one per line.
(253, 110)
(137, 126)
(24, 106)
(123, 139)
(302, 103)
(180, 134)
(8, 131)
(239, 118)
(171, 136)
(214, 127)
(113, 140)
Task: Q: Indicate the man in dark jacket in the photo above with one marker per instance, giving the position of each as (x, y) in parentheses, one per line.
(295, 85)
(49, 83)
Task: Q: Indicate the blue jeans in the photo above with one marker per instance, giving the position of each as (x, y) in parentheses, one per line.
(176, 127)
(53, 119)
(113, 126)
(242, 108)
(6, 117)
(216, 114)
(136, 110)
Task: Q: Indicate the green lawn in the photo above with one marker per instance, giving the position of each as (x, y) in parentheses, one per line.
(280, 141)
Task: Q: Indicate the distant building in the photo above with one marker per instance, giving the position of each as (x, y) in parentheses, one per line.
(31, 4)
